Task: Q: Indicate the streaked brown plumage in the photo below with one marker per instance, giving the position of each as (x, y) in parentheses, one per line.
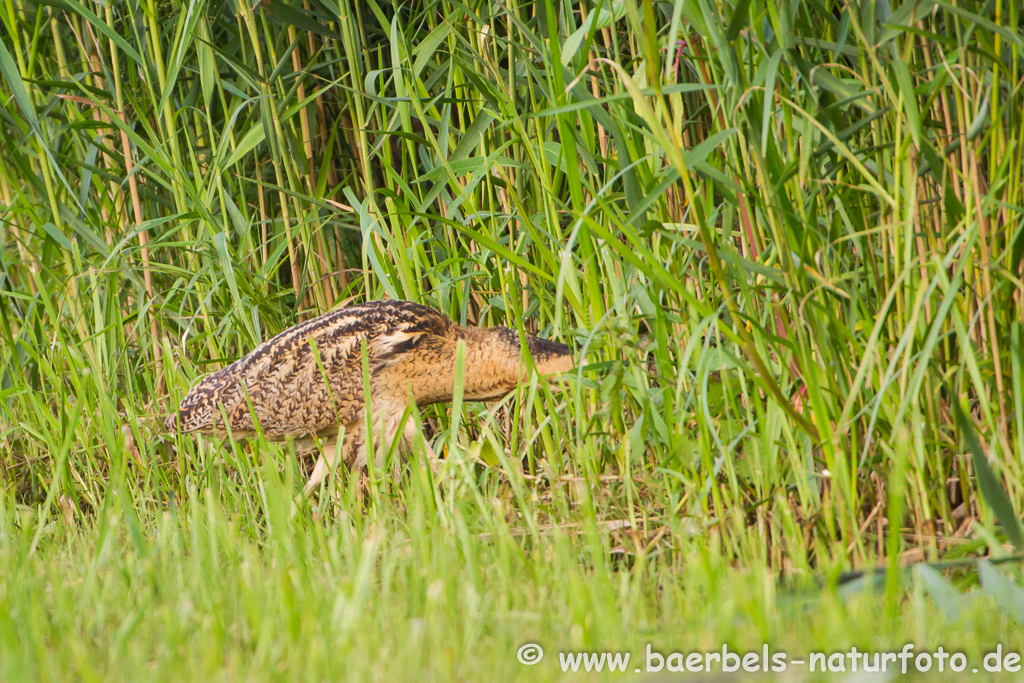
(411, 351)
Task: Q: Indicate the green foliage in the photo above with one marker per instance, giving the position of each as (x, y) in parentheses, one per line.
(785, 238)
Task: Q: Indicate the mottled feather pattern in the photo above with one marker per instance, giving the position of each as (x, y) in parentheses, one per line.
(411, 351)
(285, 383)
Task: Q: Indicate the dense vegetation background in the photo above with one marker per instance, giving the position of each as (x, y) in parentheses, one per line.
(787, 239)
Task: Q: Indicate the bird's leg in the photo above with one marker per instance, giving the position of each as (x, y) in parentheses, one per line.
(387, 421)
(414, 428)
(432, 459)
(324, 464)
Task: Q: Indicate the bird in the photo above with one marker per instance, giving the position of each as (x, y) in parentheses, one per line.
(308, 381)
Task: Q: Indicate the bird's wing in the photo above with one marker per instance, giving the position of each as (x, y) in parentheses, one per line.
(285, 378)
(286, 383)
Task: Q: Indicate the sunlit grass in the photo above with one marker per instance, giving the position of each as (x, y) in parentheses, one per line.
(786, 240)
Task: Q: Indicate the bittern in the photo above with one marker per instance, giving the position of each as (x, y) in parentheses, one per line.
(308, 381)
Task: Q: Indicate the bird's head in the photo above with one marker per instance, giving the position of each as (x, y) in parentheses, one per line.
(495, 364)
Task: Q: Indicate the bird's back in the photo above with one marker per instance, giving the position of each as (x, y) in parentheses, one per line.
(284, 382)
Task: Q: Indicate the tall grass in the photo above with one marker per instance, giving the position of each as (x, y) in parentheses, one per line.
(786, 239)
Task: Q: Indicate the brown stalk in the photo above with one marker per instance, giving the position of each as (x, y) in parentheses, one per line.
(250, 24)
(307, 144)
(133, 188)
(116, 194)
(986, 289)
